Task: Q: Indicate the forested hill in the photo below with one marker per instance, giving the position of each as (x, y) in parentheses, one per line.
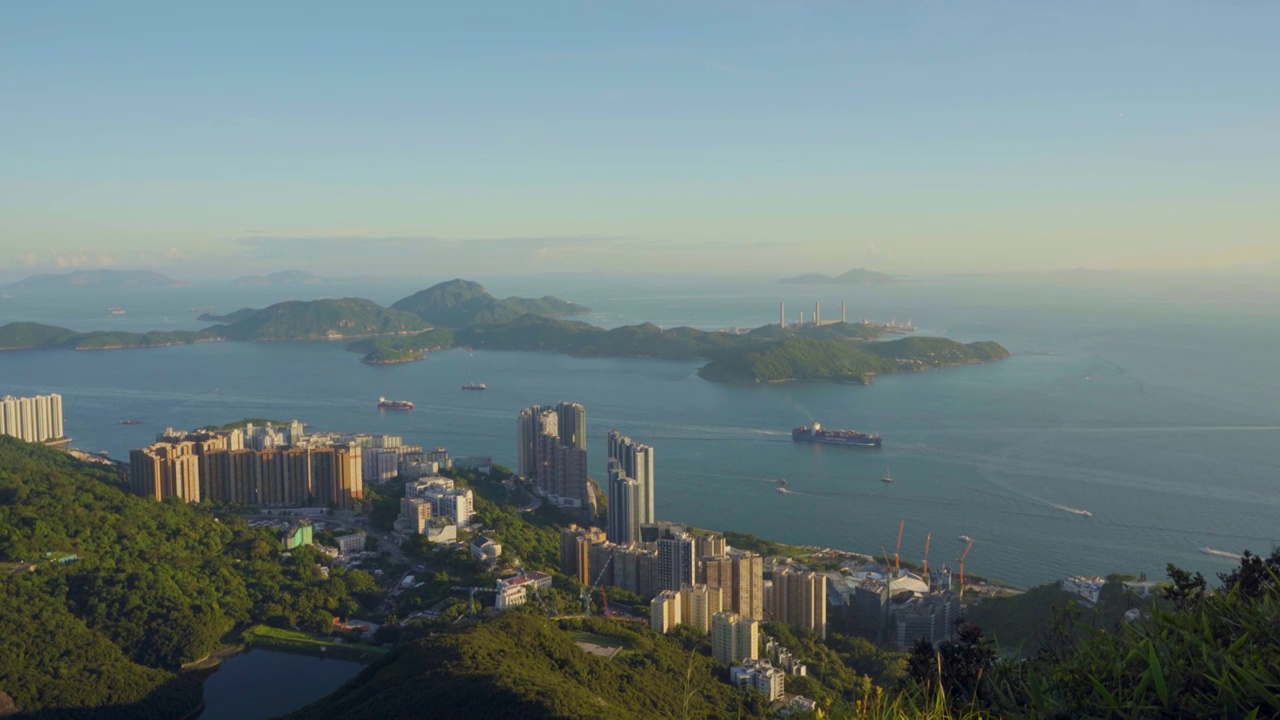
(320, 320)
(463, 303)
(104, 594)
(522, 665)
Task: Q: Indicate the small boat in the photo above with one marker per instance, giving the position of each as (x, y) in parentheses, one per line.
(779, 481)
(782, 490)
(115, 311)
(1084, 513)
(887, 477)
(475, 386)
(965, 538)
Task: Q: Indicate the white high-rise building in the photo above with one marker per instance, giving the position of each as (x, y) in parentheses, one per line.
(33, 419)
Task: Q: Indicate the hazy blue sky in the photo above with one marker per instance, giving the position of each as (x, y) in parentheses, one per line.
(692, 135)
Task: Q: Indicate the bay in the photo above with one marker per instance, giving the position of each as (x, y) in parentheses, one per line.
(1157, 411)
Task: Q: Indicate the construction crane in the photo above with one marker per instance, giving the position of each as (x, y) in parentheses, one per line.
(888, 566)
(927, 538)
(901, 525)
(963, 555)
(586, 592)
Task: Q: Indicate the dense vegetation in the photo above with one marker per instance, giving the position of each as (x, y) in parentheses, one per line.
(321, 320)
(35, 336)
(403, 348)
(462, 303)
(234, 316)
(1025, 622)
(856, 276)
(799, 358)
(1211, 654)
(152, 586)
(522, 665)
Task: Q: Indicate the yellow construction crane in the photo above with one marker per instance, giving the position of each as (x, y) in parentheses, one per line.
(901, 524)
(963, 555)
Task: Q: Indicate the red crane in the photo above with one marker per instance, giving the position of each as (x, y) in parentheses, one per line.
(901, 524)
(963, 555)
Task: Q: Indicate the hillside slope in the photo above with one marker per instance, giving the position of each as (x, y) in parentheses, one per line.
(321, 320)
(463, 303)
(521, 665)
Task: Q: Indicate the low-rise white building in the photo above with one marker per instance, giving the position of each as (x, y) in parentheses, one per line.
(349, 545)
(514, 591)
(760, 675)
(1089, 588)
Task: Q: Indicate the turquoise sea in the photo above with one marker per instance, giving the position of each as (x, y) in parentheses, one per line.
(1156, 407)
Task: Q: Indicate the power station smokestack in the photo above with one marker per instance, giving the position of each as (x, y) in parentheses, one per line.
(782, 315)
(842, 319)
(817, 314)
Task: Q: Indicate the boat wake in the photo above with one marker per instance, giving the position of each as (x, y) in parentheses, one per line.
(1221, 553)
(1068, 508)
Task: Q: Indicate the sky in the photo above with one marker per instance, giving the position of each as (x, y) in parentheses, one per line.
(639, 137)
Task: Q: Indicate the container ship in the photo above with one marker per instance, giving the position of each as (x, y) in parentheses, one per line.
(475, 386)
(816, 433)
(386, 404)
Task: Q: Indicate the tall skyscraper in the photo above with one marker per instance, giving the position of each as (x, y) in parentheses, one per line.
(575, 551)
(635, 460)
(676, 566)
(556, 463)
(742, 579)
(528, 429)
(32, 419)
(734, 638)
(665, 611)
(625, 501)
(572, 424)
(698, 603)
(800, 599)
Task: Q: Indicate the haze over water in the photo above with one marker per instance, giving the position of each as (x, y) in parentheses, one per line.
(1160, 417)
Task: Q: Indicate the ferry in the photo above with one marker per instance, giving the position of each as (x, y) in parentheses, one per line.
(128, 422)
(115, 310)
(475, 386)
(385, 404)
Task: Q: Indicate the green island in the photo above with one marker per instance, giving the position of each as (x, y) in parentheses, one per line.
(106, 597)
(460, 313)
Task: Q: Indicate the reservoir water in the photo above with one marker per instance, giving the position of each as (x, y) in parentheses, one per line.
(1159, 416)
(260, 684)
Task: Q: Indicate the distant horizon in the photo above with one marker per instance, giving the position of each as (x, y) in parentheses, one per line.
(752, 137)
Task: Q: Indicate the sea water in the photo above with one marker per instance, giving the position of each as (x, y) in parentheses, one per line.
(1157, 411)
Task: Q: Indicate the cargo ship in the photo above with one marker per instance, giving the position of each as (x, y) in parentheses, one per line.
(386, 404)
(817, 434)
(475, 386)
